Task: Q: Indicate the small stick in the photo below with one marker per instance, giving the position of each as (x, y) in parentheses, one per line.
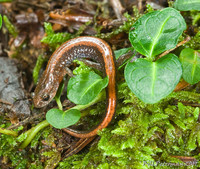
(139, 5)
(78, 147)
(186, 158)
(27, 120)
(69, 72)
(179, 44)
(5, 102)
(181, 85)
(117, 7)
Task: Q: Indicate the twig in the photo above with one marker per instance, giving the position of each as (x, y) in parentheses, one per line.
(118, 8)
(5, 102)
(179, 44)
(186, 159)
(27, 120)
(139, 5)
(124, 57)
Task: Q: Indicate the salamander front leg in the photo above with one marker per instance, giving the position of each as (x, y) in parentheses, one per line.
(69, 71)
(92, 64)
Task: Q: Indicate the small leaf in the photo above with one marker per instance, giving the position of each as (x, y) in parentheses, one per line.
(59, 91)
(120, 52)
(191, 144)
(11, 28)
(157, 31)
(157, 117)
(186, 5)
(196, 113)
(198, 137)
(181, 109)
(179, 123)
(82, 68)
(190, 60)
(59, 119)
(83, 88)
(152, 81)
(48, 28)
(38, 66)
(0, 21)
(58, 95)
(130, 143)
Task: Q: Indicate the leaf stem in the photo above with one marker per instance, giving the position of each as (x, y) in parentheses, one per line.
(32, 132)
(99, 98)
(8, 132)
(59, 103)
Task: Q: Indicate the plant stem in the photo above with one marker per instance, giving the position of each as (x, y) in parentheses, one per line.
(59, 103)
(33, 131)
(99, 98)
(8, 132)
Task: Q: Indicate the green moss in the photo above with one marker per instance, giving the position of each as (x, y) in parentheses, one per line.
(53, 39)
(38, 66)
(140, 136)
(145, 136)
(123, 28)
(18, 158)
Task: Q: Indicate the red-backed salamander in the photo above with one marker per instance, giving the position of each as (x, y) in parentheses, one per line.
(82, 47)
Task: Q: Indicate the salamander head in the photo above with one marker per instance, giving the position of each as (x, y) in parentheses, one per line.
(45, 91)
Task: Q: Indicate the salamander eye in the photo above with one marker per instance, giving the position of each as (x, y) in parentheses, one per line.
(45, 97)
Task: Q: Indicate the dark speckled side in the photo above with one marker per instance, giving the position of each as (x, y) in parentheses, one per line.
(91, 48)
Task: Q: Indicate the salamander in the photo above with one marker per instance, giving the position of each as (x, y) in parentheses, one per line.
(84, 47)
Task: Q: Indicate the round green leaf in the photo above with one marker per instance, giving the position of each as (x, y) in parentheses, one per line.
(157, 31)
(59, 119)
(83, 88)
(186, 5)
(152, 81)
(190, 60)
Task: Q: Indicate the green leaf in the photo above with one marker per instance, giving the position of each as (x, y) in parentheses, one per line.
(198, 137)
(186, 5)
(59, 91)
(191, 144)
(120, 52)
(0, 21)
(82, 68)
(83, 88)
(38, 66)
(58, 95)
(181, 109)
(190, 60)
(157, 31)
(48, 28)
(11, 28)
(157, 117)
(152, 81)
(196, 113)
(179, 123)
(5, 1)
(56, 39)
(130, 143)
(59, 119)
